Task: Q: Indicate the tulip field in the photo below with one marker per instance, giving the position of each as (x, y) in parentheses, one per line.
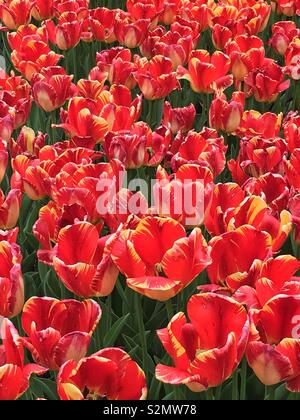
(150, 200)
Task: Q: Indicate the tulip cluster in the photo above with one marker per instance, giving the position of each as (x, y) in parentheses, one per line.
(149, 183)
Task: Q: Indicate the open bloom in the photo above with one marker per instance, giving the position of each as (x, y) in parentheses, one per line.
(244, 250)
(108, 374)
(274, 354)
(266, 82)
(207, 349)
(11, 280)
(206, 73)
(58, 330)
(170, 261)
(87, 270)
(14, 373)
(156, 77)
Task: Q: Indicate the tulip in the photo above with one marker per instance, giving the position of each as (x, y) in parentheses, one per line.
(226, 116)
(115, 65)
(208, 349)
(32, 55)
(15, 13)
(58, 330)
(267, 82)
(184, 195)
(42, 10)
(273, 356)
(90, 271)
(3, 159)
(10, 209)
(265, 125)
(205, 72)
(169, 263)
(101, 22)
(11, 280)
(108, 374)
(291, 127)
(156, 78)
(244, 250)
(246, 53)
(275, 278)
(282, 35)
(51, 88)
(292, 59)
(129, 32)
(82, 119)
(14, 374)
(27, 143)
(204, 148)
(179, 119)
(174, 46)
(66, 34)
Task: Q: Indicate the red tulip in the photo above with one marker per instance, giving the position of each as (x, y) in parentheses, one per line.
(272, 188)
(58, 330)
(129, 32)
(266, 82)
(292, 59)
(3, 159)
(291, 127)
(66, 34)
(206, 73)
(274, 355)
(257, 157)
(82, 119)
(27, 143)
(204, 148)
(11, 280)
(143, 9)
(15, 13)
(156, 78)
(179, 119)
(254, 123)
(246, 53)
(174, 46)
(51, 88)
(208, 349)
(88, 271)
(14, 374)
(183, 195)
(243, 250)
(170, 261)
(226, 116)
(282, 35)
(275, 278)
(32, 55)
(43, 10)
(101, 24)
(115, 66)
(108, 374)
(10, 209)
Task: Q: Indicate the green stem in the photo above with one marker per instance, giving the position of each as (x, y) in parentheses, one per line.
(235, 381)
(243, 374)
(169, 308)
(269, 393)
(218, 393)
(209, 395)
(141, 327)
